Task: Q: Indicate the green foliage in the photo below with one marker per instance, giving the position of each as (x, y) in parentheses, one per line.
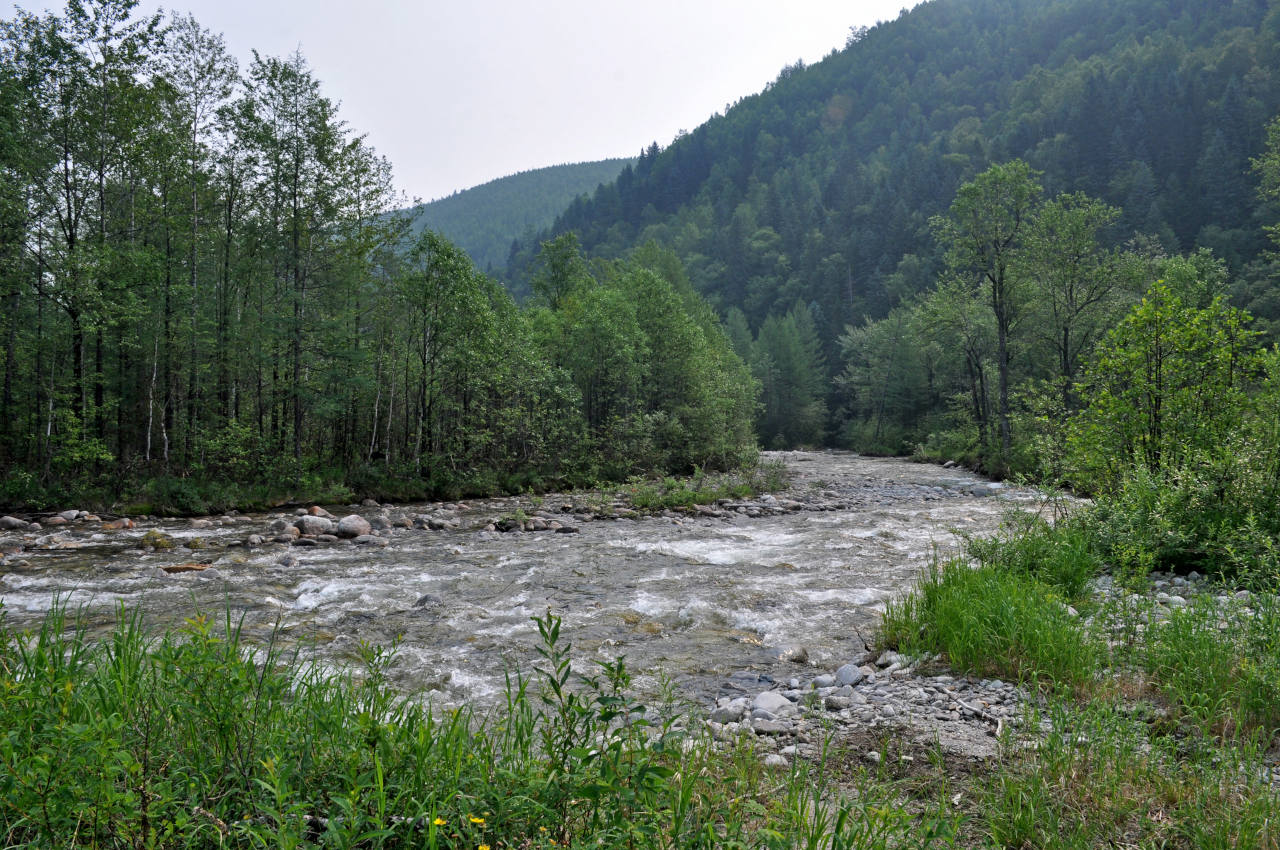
(1060, 555)
(993, 621)
(197, 738)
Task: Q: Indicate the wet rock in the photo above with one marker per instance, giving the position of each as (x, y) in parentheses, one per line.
(155, 539)
(70, 516)
(195, 543)
(306, 542)
(202, 523)
(327, 538)
(118, 524)
(369, 503)
(316, 510)
(567, 529)
(310, 526)
(370, 540)
(185, 568)
(353, 525)
(55, 520)
(253, 540)
(380, 522)
(12, 523)
(287, 561)
(794, 653)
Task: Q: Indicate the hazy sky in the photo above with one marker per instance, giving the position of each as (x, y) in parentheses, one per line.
(459, 93)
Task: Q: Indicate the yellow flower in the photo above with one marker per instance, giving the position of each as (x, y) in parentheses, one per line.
(475, 819)
(439, 821)
(542, 829)
(483, 847)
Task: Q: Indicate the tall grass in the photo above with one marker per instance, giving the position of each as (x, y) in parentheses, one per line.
(195, 738)
(993, 622)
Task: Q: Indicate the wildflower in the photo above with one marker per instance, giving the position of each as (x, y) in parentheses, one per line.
(439, 821)
(483, 847)
(475, 819)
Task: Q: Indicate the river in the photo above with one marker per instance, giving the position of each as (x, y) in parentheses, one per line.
(689, 598)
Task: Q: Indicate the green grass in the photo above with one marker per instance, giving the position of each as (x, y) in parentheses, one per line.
(706, 489)
(993, 622)
(195, 738)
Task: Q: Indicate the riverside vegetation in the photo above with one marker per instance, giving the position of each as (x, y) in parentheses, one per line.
(209, 301)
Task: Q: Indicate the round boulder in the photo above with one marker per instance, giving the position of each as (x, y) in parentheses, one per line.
(353, 525)
(312, 525)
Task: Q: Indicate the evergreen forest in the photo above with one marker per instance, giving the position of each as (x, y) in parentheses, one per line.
(486, 219)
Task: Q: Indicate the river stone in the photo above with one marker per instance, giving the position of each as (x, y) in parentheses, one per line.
(794, 653)
(253, 540)
(773, 761)
(313, 525)
(55, 520)
(306, 541)
(770, 727)
(849, 674)
(202, 523)
(353, 525)
(316, 510)
(772, 702)
(826, 680)
(567, 529)
(370, 503)
(327, 538)
(370, 540)
(12, 523)
(70, 516)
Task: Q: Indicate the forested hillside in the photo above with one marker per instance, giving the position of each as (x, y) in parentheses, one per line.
(205, 286)
(486, 219)
(807, 207)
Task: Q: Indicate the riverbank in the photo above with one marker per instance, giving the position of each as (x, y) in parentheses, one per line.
(800, 693)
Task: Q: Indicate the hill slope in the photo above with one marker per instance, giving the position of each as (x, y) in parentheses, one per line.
(484, 220)
(820, 188)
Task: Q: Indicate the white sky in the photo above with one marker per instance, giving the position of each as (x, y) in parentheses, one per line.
(458, 93)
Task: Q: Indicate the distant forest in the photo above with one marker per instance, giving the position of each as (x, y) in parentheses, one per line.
(805, 211)
(486, 219)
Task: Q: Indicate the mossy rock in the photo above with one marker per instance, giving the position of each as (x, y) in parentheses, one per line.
(154, 539)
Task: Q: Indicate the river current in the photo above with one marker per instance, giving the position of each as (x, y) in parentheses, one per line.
(689, 598)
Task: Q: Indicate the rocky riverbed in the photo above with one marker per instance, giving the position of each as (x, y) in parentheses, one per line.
(774, 595)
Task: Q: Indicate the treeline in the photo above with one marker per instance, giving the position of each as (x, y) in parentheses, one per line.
(820, 189)
(202, 279)
(483, 220)
(1122, 372)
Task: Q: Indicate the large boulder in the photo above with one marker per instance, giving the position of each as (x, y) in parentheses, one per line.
(312, 525)
(12, 523)
(353, 525)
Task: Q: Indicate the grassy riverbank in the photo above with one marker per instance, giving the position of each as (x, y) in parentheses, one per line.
(194, 496)
(1154, 722)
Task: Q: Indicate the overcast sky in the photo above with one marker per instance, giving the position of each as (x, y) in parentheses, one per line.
(458, 93)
